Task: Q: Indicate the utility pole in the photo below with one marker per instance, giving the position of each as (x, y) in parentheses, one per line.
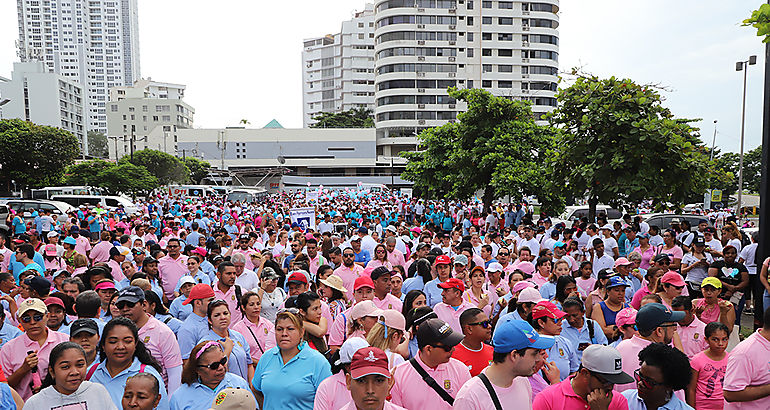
(133, 131)
(713, 142)
(763, 251)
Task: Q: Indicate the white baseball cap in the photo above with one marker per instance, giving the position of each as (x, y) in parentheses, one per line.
(349, 348)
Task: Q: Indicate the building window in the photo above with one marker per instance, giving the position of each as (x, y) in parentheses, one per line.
(486, 36)
(508, 5)
(505, 52)
(486, 20)
(505, 21)
(505, 84)
(469, 53)
(469, 21)
(505, 68)
(486, 83)
(486, 4)
(486, 68)
(487, 52)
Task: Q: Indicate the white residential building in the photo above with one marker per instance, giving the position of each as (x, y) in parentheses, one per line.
(338, 69)
(34, 94)
(94, 42)
(422, 47)
(149, 114)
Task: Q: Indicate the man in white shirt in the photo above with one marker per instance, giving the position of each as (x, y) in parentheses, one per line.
(610, 244)
(326, 225)
(245, 278)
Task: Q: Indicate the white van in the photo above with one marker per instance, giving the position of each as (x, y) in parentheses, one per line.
(103, 201)
(247, 195)
(49, 192)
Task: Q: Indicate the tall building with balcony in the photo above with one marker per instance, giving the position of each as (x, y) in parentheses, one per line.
(34, 94)
(93, 42)
(422, 47)
(338, 69)
(148, 114)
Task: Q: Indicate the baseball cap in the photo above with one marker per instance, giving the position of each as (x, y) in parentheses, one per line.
(547, 309)
(364, 308)
(378, 272)
(84, 325)
(297, 277)
(269, 274)
(148, 260)
(394, 319)
(559, 244)
(39, 284)
(442, 260)
(626, 316)
(461, 260)
(132, 294)
(616, 281)
(672, 278)
(699, 241)
(512, 334)
(355, 239)
(31, 304)
(653, 315)
(185, 280)
(434, 331)
(52, 234)
(363, 281)
(453, 283)
(711, 281)
(526, 267)
(521, 285)
(70, 241)
(243, 237)
(369, 360)
(623, 262)
(50, 250)
(199, 291)
(605, 273)
(662, 257)
(234, 399)
(349, 348)
(105, 284)
(494, 267)
(529, 295)
(53, 300)
(606, 362)
(607, 226)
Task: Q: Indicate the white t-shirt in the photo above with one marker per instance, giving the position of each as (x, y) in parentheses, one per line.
(610, 244)
(749, 254)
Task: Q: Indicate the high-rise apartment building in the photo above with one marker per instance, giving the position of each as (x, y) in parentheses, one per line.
(422, 47)
(148, 115)
(94, 42)
(338, 69)
(34, 94)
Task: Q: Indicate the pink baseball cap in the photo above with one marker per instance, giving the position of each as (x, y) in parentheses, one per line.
(623, 262)
(50, 250)
(626, 316)
(393, 318)
(672, 278)
(105, 284)
(521, 285)
(526, 267)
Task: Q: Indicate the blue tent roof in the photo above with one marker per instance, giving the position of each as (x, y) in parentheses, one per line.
(273, 124)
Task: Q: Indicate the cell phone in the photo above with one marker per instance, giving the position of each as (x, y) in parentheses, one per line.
(583, 346)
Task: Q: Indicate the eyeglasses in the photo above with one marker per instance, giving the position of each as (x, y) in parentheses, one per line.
(124, 304)
(172, 246)
(484, 323)
(645, 382)
(214, 365)
(37, 318)
(291, 310)
(445, 347)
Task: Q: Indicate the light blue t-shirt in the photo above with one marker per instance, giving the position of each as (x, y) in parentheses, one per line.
(290, 386)
(636, 403)
(198, 396)
(582, 335)
(240, 358)
(173, 323)
(178, 310)
(432, 292)
(8, 332)
(116, 385)
(17, 267)
(191, 331)
(564, 356)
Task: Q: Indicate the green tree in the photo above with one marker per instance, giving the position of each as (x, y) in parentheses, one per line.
(620, 145)
(97, 145)
(355, 118)
(495, 147)
(34, 155)
(166, 167)
(86, 172)
(198, 169)
(127, 178)
(760, 20)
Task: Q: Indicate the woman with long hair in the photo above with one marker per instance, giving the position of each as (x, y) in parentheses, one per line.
(542, 271)
(309, 305)
(413, 300)
(560, 268)
(235, 346)
(388, 334)
(731, 235)
(380, 258)
(565, 287)
(475, 294)
(258, 331)
(66, 384)
(671, 249)
(333, 293)
(204, 375)
(288, 376)
(599, 293)
(419, 275)
(123, 355)
(158, 310)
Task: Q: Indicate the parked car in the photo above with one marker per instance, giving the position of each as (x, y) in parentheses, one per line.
(103, 201)
(4, 229)
(57, 208)
(663, 221)
(574, 212)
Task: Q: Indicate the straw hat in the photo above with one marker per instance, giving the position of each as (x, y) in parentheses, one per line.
(334, 282)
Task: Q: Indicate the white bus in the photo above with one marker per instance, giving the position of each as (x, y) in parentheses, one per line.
(48, 192)
(247, 195)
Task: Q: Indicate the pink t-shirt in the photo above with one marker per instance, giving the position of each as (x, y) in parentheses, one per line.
(748, 365)
(14, 352)
(332, 393)
(673, 253)
(162, 345)
(711, 375)
(470, 298)
(474, 395)
(387, 406)
(411, 392)
(636, 301)
(339, 328)
(451, 315)
(396, 258)
(585, 286)
(83, 245)
(538, 279)
(232, 303)
(100, 252)
(171, 270)
(349, 276)
(260, 337)
(388, 302)
(693, 337)
(629, 352)
(709, 314)
(562, 397)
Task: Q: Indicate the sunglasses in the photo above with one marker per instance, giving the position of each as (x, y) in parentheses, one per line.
(348, 255)
(503, 254)
(214, 365)
(125, 304)
(484, 323)
(445, 347)
(37, 318)
(645, 382)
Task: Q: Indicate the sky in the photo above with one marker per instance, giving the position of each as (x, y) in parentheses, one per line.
(242, 60)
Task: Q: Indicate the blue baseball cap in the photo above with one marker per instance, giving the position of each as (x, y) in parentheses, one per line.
(70, 241)
(514, 334)
(616, 281)
(559, 244)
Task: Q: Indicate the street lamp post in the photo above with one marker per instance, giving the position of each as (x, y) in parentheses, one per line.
(742, 66)
(713, 141)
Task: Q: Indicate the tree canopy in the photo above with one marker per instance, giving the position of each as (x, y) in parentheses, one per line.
(127, 178)
(86, 172)
(355, 118)
(621, 145)
(198, 169)
(34, 155)
(760, 20)
(494, 147)
(97, 145)
(166, 167)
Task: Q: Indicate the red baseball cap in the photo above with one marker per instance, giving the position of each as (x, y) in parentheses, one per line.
(363, 281)
(453, 283)
(547, 309)
(297, 277)
(199, 291)
(369, 360)
(442, 260)
(53, 300)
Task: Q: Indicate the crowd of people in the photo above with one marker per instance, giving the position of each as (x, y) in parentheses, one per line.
(387, 302)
